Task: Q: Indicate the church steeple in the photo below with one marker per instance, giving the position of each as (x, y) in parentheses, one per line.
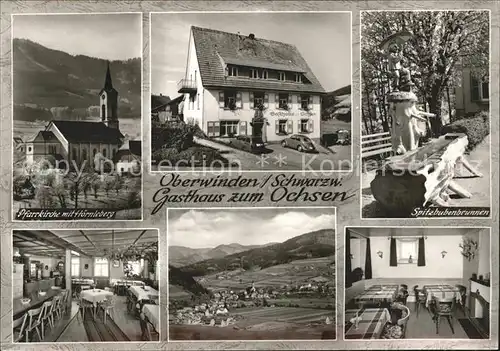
(108, 84)
(109, 102)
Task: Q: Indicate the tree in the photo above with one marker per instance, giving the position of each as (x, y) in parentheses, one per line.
(442, 42)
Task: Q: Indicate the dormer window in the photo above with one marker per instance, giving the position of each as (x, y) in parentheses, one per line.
(281, 76)
(265, 74)
(254, 73)
(232, 71)
(298, 78)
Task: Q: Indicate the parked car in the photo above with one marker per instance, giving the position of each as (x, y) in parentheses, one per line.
(248, 143)
(343, 137)
(299, 142)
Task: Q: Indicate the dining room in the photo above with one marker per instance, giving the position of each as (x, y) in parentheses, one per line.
(417, 283)
(89, 285)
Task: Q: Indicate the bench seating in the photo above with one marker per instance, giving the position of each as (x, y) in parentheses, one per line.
(376, 144)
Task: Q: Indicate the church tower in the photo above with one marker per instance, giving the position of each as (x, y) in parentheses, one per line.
(109, 103)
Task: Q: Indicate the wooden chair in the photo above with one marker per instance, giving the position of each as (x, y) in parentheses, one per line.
(443, 308)
(420, 297)
(402, 294)
(47, 316)
(463, 296)
(146, 333)
(19, 328)
(108, 306)
(34, 319)
(65, 301)
(396, 328)
(83, 305)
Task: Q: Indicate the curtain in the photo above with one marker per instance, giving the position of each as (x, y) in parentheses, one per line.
(348, 268)
(394, 256)
(368, 260)
(421, 252)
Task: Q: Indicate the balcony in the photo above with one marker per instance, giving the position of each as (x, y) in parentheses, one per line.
(186, 86)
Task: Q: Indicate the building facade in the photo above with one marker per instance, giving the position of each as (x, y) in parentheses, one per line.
(243, 85)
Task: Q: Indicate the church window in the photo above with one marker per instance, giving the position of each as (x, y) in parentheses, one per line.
(104, 152)
(103, 111)
(29, 149)
(114, 153)
(94, 152)
(74, 153)
(52, 149)
(84, 154)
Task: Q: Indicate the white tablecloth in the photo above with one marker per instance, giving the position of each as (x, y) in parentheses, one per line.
(95, 296)
(143, 294)
(152, 312)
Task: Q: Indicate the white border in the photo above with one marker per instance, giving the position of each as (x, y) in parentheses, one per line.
(11, 148)
(259, 209)
(403, 341)
(60, 344)
(361, 127)
(231, 170)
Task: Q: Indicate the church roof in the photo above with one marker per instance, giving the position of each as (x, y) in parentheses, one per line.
(43, 136)
(134, 146)
(88, 132)
(215, 49)
(108, 83)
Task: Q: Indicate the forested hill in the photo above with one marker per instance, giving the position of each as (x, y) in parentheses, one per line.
(49, 83)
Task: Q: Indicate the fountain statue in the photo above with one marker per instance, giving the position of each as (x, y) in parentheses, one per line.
(408, 123)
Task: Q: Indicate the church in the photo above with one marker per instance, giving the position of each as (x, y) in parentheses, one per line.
(78, 141)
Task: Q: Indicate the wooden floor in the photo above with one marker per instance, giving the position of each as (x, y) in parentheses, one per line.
(423, 327)
(75, 331)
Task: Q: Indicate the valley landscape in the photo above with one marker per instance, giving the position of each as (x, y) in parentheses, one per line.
(272, 291)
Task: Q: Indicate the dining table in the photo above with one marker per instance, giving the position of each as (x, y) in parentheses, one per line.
(370, 325)
(152, 312)
(377, 294)
(35, 301)
(144, 292)
(444, 291)
(95, 296)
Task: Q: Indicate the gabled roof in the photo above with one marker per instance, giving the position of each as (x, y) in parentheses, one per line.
(134, 146)
(44, 136)
(159, 101)
(94, 132)
(215, 49)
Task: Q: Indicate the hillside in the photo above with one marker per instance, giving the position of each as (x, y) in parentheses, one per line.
(331, 99)
(185, 281)
(50, 84)
(320, 243)
(181, 256)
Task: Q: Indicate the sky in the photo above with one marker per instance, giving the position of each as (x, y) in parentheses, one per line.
(210, 228)
(105, 36)
(323, 39)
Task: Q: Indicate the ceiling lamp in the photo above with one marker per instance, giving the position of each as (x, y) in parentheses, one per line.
(16, 252)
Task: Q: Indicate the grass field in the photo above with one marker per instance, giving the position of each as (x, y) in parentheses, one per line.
(284, 314)
(264, 323)
(295, 272)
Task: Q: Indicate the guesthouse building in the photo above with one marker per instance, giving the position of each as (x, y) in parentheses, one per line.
(244, 85)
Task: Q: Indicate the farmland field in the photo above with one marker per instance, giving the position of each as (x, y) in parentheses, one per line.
(294, 272)
(284, 314)
(264, 323)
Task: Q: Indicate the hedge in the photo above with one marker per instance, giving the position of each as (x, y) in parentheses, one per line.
(203, 155)
(476, 128)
